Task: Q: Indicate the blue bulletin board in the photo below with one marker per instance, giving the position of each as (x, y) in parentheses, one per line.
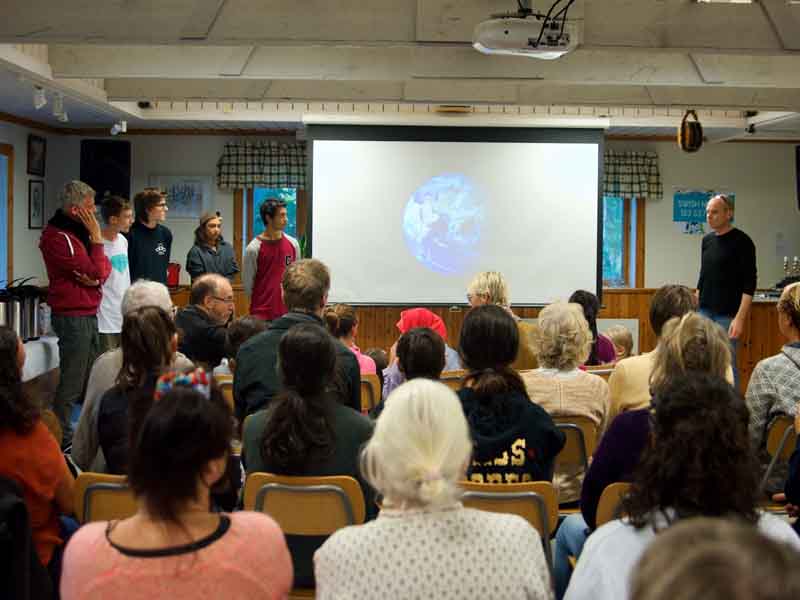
(689, 208)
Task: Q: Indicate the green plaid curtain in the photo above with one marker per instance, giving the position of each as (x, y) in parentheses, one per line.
(268, 164)
(632, 175)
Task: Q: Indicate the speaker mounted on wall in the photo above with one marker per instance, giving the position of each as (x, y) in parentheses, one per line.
(106, 166)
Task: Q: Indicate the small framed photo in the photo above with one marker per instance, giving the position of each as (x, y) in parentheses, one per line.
(37, 155)
(35, 204)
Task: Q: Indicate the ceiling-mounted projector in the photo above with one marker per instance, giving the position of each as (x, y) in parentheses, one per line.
(528, 33)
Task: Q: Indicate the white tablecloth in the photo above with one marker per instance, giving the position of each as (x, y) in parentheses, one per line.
(41, 356)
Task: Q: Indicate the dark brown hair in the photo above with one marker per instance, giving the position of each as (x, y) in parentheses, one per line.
(269, 208)
(17, 411)
(420, 353)
(241, 330)
(591, 306)
(146, 342)
(670, 301)
(340, 319)
(112, 207)
(144, 201)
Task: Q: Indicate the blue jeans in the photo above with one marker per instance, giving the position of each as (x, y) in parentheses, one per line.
(724, 321)
(570, 538)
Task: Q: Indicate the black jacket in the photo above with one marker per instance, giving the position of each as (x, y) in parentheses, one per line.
(201, 260)
(201, 338)
(515, 439)
(257, 380)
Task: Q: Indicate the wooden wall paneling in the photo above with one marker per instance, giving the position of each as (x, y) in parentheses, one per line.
(238, 242)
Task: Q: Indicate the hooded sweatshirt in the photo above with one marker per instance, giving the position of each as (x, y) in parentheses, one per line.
(514, 439)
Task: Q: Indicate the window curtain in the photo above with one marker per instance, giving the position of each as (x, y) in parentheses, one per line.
(268, 164)
(632, 175)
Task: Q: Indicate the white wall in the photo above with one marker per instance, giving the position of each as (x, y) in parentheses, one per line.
(763, 178)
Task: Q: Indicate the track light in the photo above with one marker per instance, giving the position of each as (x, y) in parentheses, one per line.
(63, 117)
(58, 104)
(39, 97)
(121, 127)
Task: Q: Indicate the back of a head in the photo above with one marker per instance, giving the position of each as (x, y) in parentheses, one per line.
(305, 284)
(241, 330)
(789, 304)
(690, 343)
(420, 448)
(621, 337)
(716, 559)
(17, 412)
(181, 432)
(699, 461)
(146, 341)
(146, 293)
(144, 201)
(670, 301)
(420, 353)
(492, 285)
(306, 358)
(73, 193)
(562, 339)
(590, 305)
(340, 319)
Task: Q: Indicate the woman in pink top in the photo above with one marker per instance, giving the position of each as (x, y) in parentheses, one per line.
(174, 546)
(342, 322)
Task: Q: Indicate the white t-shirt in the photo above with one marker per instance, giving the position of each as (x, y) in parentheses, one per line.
(109, 315)
(611, 553)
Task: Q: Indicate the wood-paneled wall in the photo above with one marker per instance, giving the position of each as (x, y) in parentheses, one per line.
(377, 323)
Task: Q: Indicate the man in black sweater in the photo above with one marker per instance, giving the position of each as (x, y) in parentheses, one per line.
(203, 325)
(727, 273)
(149, 242)
(304, 286)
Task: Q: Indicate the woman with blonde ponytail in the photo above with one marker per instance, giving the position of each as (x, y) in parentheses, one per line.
(424, 543)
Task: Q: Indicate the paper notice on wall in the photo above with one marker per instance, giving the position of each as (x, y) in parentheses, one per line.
(781, 245)
(689, 209)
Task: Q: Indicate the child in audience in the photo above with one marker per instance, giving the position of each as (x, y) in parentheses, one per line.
(424, 543)
(381, 359)
(515, 439)
(31, 457)
(239, 331)
(174, 546)
(698, 463)
(716, 559)
(305, 430)
(342, 322)
(602, 352)
(622, 338)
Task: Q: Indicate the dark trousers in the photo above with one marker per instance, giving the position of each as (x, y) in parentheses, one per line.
(78, 347)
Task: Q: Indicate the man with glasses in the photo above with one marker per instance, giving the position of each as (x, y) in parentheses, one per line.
(204, 323)
(149, 242)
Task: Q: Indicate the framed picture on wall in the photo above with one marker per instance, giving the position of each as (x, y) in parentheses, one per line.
(37, 155)
(35, 204)
(187, 196)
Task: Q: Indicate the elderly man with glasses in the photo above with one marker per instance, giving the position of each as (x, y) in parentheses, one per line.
(203, 324)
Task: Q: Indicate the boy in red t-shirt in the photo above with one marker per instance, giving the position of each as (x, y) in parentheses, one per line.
(265, 260)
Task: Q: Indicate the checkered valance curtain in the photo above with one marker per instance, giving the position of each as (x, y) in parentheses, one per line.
(268, 164)
(632, 175)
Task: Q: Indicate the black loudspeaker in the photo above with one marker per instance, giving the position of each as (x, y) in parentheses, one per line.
(797, 173)
(106, 166)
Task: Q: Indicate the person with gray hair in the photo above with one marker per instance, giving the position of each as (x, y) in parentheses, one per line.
(86, 452)
(429, 544)
(72, 249)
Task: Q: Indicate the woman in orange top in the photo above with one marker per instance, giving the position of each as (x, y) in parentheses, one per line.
(30, 455)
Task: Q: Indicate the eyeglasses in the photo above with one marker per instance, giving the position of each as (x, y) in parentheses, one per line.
(225, 300)
(161, 205)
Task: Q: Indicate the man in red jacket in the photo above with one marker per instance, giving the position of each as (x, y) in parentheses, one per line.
(72, 248)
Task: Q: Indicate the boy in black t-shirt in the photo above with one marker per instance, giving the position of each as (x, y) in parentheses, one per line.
(149, 242)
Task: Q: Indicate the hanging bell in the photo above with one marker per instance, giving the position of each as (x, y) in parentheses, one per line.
(690, 133)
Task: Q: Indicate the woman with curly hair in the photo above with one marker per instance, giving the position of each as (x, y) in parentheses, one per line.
(31, 457)
(699, 463)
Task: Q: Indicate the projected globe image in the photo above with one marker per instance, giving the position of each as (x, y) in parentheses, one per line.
(442, 224)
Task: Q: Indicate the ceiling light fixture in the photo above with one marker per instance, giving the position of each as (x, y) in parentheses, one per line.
(58, 104)
(39, 97)
(121, 127)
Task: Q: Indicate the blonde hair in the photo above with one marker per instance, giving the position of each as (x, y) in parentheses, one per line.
(420, 448)
(562, 339)
(789, 304)
(621, 336)
(305, 283)
(491, 284)
(690, 343)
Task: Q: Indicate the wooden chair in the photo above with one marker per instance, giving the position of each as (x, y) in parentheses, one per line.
(608, 508)
(781, 441)
(603, 371)
(534, 501)
(306, 505)
(370, 392)
(102, 497)
(50, 420)
(225, 383)
(453, 379)
(581, 433)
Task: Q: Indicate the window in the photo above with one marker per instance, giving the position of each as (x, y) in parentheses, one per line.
(623, 242)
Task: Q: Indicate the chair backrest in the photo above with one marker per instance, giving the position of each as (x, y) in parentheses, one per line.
(51, 421)
(102, 497)
(781, 438)
(610, 503)
(453, 379)
(370, 391)
(603, 371)
(306, 505)
(581, 433)
(534, 501)
(225, 383)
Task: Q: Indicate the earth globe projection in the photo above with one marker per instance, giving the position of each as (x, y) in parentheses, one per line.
(442, 224)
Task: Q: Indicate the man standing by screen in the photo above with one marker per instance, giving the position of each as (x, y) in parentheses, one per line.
(266, 259)
(727, 273)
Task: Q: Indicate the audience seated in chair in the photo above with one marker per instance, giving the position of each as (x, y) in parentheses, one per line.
(412, 319)
(561, 343)
(381, 359)
(174, 546)
(774, 387)
(305, 430)
(515, 439)
(342, 322)
(622, 338)
(490, 287)
(602, 351)
(305, 286)
(203, 324)
(239, 331)
(791, 490)
(691, 343)
(86, 452)
(716, 559)
(425, 544)
(420, 353)
(699, 463)
(31, 457)
(148, 343)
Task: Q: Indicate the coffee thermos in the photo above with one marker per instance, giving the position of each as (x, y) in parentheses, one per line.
(19, 308)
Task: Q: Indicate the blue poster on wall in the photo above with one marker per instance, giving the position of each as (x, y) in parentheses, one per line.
(689, 209)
